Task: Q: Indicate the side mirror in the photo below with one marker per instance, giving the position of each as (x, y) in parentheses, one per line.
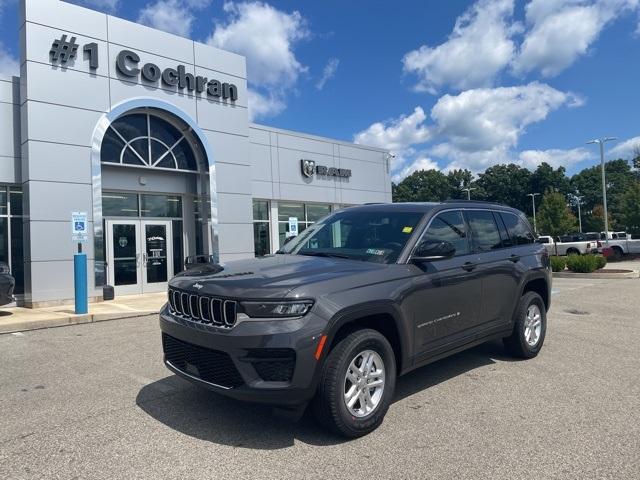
(428, 250)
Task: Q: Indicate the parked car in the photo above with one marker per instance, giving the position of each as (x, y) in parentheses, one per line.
(7, 283)
(362, 296)
(576, 244)
(620, 243)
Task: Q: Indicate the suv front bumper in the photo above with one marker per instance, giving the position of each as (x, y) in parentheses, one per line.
(264, 361)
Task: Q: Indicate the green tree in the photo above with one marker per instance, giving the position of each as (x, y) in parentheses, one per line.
(422, 186)
(545, 178)
(508, 184)
(554, 216)
(594, 220)
(631, 209)
(589, 183)
(459, 179)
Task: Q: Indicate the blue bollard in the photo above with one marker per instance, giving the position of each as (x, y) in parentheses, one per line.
(80, 283)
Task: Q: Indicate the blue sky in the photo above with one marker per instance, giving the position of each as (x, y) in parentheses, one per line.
(453, 84)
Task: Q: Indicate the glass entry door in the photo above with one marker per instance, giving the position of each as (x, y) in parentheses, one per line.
(138, 253)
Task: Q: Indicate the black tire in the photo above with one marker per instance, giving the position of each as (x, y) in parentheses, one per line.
(516, 344)
(617, 253)
(329, 405)
(573, 251)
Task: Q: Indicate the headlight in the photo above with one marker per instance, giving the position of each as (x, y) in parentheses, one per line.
(294, 308)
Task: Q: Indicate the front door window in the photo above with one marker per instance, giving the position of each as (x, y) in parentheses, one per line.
(155, 256)
(125, 254)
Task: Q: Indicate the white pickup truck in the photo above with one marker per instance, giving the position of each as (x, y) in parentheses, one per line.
(620, 243)
(569, 244)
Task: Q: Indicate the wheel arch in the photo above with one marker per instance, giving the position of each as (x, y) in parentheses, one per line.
(540, 285)
(380, 316)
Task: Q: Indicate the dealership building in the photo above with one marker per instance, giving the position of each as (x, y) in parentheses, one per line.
(148, 134)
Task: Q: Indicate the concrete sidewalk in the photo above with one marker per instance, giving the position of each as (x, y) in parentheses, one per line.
(18, 319)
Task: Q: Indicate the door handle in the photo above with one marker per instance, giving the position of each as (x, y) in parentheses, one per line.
(468, 266)
(144, 258)
(514, 258)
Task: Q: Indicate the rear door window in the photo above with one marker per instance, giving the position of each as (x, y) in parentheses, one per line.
(484, 230)
(519, 231)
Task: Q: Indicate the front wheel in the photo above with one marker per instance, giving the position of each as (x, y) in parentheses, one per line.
(357, 384)
(530, 327)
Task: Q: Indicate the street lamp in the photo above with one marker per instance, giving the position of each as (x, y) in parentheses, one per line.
(578, 200)
(533, 201)
(601, 142)
(468, 190)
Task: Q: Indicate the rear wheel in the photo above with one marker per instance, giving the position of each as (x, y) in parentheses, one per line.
(573, 251)
(357, 384)
(617, 252)
(530, 327)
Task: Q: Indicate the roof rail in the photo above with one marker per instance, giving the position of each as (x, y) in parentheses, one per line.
(451, 200)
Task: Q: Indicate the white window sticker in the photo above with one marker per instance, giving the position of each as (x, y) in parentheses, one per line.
(374, 251)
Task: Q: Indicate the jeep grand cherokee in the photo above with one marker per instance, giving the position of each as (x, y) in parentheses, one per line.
(363, 296)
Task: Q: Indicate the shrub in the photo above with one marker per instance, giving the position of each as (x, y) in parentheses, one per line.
(602, 261)
(558, 264)
(582, 263)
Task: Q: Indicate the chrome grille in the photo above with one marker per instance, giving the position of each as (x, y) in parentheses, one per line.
(203, 308)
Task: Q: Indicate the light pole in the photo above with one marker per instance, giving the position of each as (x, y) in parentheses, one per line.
(578, 200)
(533, 201)
(601, 142)
(468, 190)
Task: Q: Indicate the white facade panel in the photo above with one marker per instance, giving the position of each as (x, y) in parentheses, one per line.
(234, 208)
(260, 162)
(10, 130)
(213, 58)
(223, 117)
(58, 124)
(236, 238)
(67, 163)
(76, 89)
(145, 39)
(233, 178)
(228, 148)
(65, 16)
(50, 201)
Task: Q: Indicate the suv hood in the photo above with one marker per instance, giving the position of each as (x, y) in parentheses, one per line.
(275, 276)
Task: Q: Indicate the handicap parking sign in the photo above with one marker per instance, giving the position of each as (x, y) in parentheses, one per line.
(79, 227)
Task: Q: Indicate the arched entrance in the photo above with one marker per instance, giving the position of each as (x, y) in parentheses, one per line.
(154, 195)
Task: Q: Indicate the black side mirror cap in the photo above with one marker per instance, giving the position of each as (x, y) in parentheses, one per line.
(433, 250)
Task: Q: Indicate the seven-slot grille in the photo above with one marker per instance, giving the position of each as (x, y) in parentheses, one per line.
(203, 308)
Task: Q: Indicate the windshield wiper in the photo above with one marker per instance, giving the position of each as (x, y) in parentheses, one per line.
(312, 253)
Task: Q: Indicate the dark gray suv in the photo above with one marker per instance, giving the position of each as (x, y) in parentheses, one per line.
(358, 298)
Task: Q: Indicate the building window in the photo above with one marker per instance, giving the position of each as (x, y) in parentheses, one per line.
(144, 140)
(11, 240)
(306, 214)
(261, 236)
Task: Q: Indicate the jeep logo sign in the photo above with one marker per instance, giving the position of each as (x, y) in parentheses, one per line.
(309, 168)
(127, 64)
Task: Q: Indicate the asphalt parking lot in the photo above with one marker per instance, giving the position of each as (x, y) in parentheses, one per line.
(95, 401)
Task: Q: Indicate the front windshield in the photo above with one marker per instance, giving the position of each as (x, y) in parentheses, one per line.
(372, 236)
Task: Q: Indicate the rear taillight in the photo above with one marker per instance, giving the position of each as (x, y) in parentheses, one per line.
(599, 244)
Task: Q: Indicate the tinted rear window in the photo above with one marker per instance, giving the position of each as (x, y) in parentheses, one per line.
(518, 230)
(484, 230)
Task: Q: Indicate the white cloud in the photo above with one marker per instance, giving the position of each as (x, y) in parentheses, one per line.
(554, 157)
(421, 163)
(173, 16)
(561, 31)
(479, 47)
(328, 72)
(9, 65)
(625, 149)
(474, 129)
(491, 120)
(266, 37)
(396, 134)
(264, 105)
